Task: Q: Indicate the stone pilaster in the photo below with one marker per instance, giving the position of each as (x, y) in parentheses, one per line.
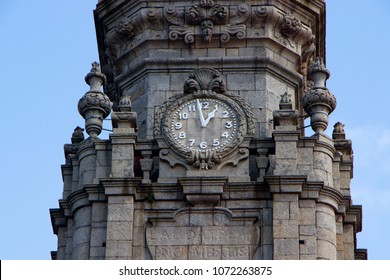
(120, 218)
(98, 230)
(122, 164)
(285, 213)
(286, 138)
(123, 140)
(307, 230)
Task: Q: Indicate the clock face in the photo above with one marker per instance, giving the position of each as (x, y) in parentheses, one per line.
(203, 124)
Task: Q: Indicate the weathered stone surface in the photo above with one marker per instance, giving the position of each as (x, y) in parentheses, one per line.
(269, 192)
(120, 212)
(285, 249)
(119, 231)
(286, 229)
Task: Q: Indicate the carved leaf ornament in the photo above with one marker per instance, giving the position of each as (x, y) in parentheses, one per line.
(206, 15)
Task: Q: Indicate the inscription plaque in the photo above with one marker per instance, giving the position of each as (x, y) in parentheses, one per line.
(203, 242)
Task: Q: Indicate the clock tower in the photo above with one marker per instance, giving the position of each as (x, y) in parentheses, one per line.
(208, 157)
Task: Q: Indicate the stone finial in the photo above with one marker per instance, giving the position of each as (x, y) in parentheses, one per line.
(95, 78)
(94, 106)
(78, 135)
(318, 73)
(125, 104)
(124, 120)
(70, 150)
(285, 118)
(285, 102)
(338, 131)
(319, 102)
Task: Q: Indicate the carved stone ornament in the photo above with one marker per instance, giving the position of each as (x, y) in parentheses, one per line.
(290, 25)
(78, 135)
(70, 150)
(94, 106)
(286, 117)
(124, 120)
(119, 38)
(206, 15)
(338, 131)
(205, 124)
(319, 102)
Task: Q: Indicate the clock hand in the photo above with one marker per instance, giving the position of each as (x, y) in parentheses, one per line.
(210, 116)
(199, 106)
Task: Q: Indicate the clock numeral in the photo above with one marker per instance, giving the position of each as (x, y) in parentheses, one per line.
(203, 145)
(182, 135)
(225, 134)
(205, 105)
(229, 124)
(191, 107)
(178, 126)
(225, 114)
(216, 142)
(192, 142)
(183, 116)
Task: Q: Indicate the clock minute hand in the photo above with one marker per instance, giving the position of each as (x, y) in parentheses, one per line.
(202, 120)
(210, 116)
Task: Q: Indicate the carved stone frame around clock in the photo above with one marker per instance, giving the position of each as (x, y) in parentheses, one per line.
(203, 83)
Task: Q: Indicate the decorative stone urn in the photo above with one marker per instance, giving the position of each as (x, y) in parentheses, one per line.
(319, 102)
(94, 106)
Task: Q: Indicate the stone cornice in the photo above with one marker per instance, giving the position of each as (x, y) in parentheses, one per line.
(142, 67)
(201, 19)
(58, 219)
(79, 198)
(126, 25)
(286, 183)
(354, 216)
(320, 193)
(120, 186)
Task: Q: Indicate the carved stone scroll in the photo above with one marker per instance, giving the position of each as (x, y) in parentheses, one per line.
(205, 16)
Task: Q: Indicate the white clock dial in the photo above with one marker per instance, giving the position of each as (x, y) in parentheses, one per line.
(204, 124)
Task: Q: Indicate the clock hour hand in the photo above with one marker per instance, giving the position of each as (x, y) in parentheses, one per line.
(202, 120)
(210, 116)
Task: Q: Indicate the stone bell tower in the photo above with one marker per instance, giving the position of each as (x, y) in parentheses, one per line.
(208, 157)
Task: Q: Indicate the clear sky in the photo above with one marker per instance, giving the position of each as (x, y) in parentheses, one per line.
(47, 48)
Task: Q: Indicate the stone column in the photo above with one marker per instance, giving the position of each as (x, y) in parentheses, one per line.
(82, 234)
(326, 232)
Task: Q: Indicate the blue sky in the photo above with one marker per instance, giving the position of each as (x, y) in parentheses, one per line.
(47, 48)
